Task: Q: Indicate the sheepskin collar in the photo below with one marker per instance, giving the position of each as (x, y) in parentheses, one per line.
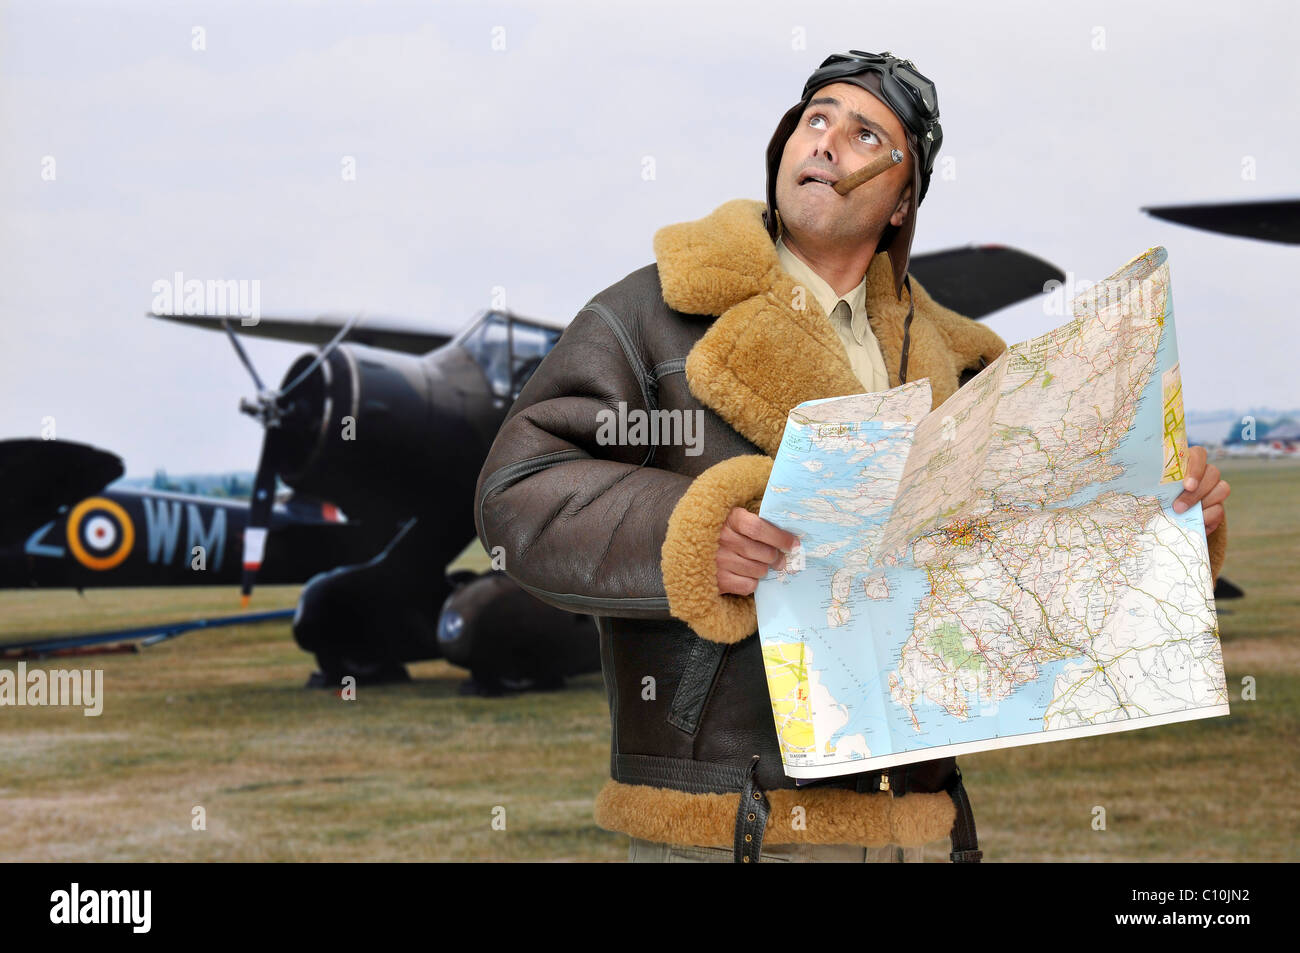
(763, 355)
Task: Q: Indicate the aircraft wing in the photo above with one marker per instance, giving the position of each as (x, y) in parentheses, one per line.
(975, 280)
(146, 635)
(39, 476)
(1225, 588)
(375, 332)
(979, 279)
(1275, 220)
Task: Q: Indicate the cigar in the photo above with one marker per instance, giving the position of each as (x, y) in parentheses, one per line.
(869, 171)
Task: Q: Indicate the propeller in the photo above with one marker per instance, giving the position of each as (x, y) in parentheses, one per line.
(266, 407)
(269, 408)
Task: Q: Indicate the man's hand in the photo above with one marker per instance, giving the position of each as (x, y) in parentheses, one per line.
(748, 547)
(1203, 484)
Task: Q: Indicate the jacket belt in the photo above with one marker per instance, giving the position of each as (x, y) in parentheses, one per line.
(751, 819)
(965, 844)
(681, 774)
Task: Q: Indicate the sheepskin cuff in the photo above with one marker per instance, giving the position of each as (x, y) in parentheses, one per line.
(690, 551)
(829, 816)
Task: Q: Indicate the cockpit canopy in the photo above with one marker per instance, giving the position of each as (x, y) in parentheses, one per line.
(508, 348)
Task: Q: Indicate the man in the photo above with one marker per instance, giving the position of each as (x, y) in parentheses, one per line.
(744, 314)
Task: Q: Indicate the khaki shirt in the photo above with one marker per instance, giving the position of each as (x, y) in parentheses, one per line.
(855, 332)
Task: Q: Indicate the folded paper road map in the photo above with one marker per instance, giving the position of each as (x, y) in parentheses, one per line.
(1005, 569)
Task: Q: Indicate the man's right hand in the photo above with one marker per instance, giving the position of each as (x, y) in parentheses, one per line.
(747, 548)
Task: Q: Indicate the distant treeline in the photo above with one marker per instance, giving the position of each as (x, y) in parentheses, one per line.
(234, 486)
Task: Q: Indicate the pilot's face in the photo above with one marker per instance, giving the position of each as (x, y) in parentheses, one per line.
(842, 129)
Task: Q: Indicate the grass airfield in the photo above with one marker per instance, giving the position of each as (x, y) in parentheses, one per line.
(219, 720)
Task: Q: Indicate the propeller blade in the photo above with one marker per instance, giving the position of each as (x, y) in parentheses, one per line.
(259, 516)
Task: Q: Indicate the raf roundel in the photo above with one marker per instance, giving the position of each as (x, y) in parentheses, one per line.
(100, 533)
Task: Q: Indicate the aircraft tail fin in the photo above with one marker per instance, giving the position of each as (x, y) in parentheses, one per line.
(39, 476)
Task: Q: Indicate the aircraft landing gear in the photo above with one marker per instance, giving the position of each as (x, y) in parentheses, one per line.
(488, 686)
(332, 671)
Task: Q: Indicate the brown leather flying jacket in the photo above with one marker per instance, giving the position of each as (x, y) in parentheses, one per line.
(627, 531)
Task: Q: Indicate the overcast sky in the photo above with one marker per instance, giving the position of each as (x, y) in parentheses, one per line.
(502, 145)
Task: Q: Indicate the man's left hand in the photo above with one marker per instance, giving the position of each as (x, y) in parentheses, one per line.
(1203, 484)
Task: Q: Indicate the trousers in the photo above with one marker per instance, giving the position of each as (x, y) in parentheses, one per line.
(644, 851)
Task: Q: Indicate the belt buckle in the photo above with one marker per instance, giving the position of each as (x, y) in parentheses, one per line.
(886, 783)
